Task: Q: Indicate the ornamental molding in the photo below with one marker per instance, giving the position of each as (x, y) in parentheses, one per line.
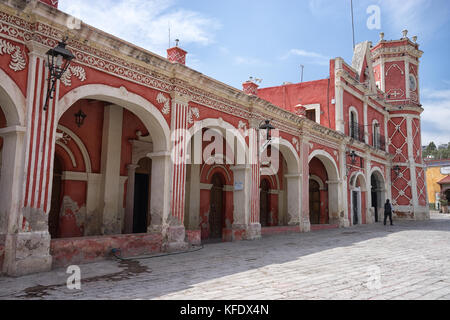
(76, 71)
(162, 99)
(192, 112)
(18, 62)
(295, 143)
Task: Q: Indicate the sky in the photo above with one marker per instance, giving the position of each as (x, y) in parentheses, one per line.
(233, 40)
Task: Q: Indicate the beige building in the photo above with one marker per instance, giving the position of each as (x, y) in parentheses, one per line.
(436, 171)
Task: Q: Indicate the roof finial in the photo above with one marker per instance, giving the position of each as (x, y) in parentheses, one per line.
(176, 42)
(381, 36)
(405, 33)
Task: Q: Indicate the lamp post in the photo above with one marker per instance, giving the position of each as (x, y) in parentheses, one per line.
(59, 59)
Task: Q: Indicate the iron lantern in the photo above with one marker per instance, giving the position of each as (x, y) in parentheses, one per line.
(58, 61)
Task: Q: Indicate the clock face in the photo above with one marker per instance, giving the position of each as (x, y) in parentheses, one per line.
(412, 83)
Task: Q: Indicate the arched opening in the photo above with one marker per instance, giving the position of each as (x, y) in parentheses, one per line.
(357, 199)
(108, 179)
(314, 202)
(216, 220)
(142, 196)
(264, 207)
(56, 198)
(377, 192)
(212, 150)
(323, 170)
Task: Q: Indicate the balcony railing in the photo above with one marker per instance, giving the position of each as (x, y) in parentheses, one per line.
(379, 142)
(357, 131)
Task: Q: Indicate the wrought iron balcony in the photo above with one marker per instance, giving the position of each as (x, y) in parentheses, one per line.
(379, 142)
(357, 131)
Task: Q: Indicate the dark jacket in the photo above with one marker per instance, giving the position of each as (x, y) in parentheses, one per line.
(387, 207)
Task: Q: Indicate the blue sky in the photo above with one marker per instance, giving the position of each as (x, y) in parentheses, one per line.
(268, 39)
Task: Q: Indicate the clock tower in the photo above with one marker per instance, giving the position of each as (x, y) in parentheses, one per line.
(396, 71)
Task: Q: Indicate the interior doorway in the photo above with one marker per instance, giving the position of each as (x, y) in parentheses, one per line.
(141, 217)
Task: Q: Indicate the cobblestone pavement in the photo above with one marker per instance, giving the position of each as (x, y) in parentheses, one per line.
(410, 260)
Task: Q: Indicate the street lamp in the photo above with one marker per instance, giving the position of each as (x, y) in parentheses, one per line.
(267, 126)
(396, 169)
(58, 61)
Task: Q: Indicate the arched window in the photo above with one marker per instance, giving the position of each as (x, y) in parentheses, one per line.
(353, 123)
(376, 134)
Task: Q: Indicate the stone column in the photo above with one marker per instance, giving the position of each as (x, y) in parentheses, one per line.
(255, 142)
(293, 188)
(179, 126)
(241, 201)
(343, 188)
(110, 195)
(194, 198)
(160, 192)
(305, 224)
(128, 223)
(27, 243)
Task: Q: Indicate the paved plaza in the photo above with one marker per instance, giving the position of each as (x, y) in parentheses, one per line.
(410, 260)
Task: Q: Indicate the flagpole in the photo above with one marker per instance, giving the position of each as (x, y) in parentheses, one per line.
(353, 25)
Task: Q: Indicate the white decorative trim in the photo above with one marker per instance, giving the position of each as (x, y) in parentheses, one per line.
(77, 71)
(18, 62)
(161, 98)
(69, 152)
(296, 144)
(191, 113)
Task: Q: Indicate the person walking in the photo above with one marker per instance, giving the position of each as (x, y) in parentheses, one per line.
(388, 212)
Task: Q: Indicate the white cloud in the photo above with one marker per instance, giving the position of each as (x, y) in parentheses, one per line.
(312, 57)
(145, 22)
(414, 15)
(436, 115)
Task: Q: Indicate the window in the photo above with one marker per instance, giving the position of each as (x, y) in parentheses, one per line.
(311, 114)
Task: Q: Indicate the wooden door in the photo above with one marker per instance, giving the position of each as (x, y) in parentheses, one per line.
(55, 207)
(314, 202)
(216, 208)
(355, 207)
(264, 203)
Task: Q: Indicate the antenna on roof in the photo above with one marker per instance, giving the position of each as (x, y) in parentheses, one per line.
(302, 66)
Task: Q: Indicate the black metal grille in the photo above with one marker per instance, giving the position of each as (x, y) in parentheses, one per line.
(357, 131)
(379, 142)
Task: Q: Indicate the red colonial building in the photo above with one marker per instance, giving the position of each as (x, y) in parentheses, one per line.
(139, 152)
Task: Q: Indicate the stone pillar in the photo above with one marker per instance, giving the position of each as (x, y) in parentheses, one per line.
(160, 192)
(27, 243)
(129, 210)
(241, 201)
(343, 188)
(293, 188)
(110, 195)
(179, 126)
(194, 198)
(305, 224)
(255, 142)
